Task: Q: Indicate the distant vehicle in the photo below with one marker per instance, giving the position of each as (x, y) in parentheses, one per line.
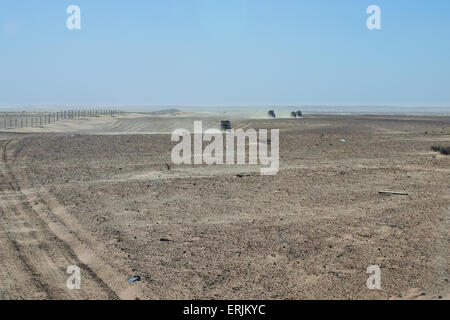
(293, 114)
(299, 114)
(226, 125)
(271, 113)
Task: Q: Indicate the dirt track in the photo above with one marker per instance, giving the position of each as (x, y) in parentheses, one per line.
(104, 202)
(33, 257)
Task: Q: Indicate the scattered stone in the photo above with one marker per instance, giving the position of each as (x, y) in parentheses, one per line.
(134, 279)
(393, 192)
(241, 175)
(442, 150)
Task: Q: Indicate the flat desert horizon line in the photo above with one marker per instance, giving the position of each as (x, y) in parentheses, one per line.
(316, 109)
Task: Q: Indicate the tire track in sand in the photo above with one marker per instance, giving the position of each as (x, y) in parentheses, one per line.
(35, 257)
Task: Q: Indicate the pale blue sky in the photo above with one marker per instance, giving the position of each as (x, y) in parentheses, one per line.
(228, 52)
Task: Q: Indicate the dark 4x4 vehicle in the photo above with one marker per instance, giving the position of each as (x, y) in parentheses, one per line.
(226, 125)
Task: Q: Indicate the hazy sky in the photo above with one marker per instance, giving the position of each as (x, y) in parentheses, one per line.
(227, 52)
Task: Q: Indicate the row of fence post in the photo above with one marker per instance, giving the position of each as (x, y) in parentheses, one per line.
(24, 120)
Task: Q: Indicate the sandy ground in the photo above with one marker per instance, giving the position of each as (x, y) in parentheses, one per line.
(101, 194)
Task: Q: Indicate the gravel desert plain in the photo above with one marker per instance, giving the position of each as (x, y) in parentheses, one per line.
(101, 193)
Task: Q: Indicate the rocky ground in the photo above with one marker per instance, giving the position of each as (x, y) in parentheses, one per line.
(114, 205)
